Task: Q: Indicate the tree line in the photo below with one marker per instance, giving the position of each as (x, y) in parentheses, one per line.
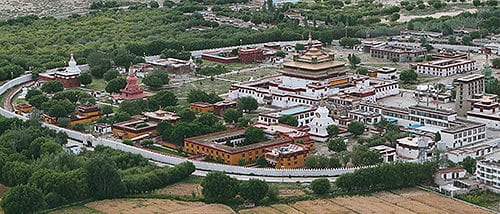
(42, 175)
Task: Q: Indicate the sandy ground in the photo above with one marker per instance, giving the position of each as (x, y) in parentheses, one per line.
(290, 192)
(157, 206)
(405, 18)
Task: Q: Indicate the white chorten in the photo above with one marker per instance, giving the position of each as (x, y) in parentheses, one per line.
(72, 68)
(319, 124)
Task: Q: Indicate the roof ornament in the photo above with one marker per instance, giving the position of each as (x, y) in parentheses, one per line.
(309, 41)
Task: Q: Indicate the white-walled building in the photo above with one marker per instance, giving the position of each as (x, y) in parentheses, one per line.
(319, 124)
(474, 151)
(387, 73)
(304, 115)
(387, 153)
(408, 147)
(488, 172)
(446, 67)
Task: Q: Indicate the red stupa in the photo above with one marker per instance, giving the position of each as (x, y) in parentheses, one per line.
(132, 91)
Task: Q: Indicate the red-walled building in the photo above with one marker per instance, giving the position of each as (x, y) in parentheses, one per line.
(249, 55)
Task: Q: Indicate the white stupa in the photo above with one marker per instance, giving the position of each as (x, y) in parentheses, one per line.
(319, 124)
(72, 68)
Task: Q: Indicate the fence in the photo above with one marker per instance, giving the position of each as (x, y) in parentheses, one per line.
(200, 165)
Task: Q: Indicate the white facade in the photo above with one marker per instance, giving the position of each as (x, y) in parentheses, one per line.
(488, 172)
(319, 124)
(446, 67)
(407, 148)
(463, 135)
(387, 153)
(474, 151)
(304, 115)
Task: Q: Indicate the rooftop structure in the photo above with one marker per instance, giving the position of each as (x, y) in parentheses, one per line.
(485, 109)
(409, 147)
(179, 68)
(161, 115)
(135, 127)
(320, 123)
(446, 67)
(68, 77)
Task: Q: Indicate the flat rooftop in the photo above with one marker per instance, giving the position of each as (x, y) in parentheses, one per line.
(289, 111)
(471, 77)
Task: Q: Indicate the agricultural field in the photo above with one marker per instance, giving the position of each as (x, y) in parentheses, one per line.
(399, 201)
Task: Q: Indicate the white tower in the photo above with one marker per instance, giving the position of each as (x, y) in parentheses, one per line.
(319, 124)
(72, 68)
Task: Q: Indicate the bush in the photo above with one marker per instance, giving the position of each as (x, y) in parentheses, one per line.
(320, 186)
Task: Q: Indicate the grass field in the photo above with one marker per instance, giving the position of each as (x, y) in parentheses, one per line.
(207, 85)
(247, 75)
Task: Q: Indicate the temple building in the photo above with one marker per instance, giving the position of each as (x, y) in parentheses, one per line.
(68, 77)
(305, 80)
(132, 91)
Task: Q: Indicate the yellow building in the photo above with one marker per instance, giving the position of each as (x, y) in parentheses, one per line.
(287, 157)
(223, 146)
(86, 114)
(23, 108)
(201, 107)
(134, 128)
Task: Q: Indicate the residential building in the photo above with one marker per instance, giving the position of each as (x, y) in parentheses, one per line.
(303, 113)
(227, 146)
(179, 69)
(221, 106)
(387, 153)
(474, 151)
(400, 52)
(410, 147)
(386, 73)
(23, 108)
(442, 55)
(287, 157)
(446, 67)
(467, 87)
(488, 172)
(102, 128)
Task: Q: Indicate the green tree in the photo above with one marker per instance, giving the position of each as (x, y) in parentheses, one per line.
(32, 92)
(104, 179)
(253, 190)
(52, 87)
(115, 85)
(16, 173)
(362, 156)
(23, 199)
(162, 99)
(232, 115)
(244, 122)
(466, 40)
(63, 121)
(349, 42)
(356, 128)
(299, 47)
(476, 3)
(58, 108)
(408, 76)
(197, 95)
(111, 74)
(37, 101)
(362, 71)
(394, 17)
(288, 120)
(261, 161)
(156, 79)
(154, 4)
(469, 164)
(281, 54)
(437, 137)
(496, 62)
(50, 147)
(247, 104)
(320, 186)
(337, 145)
(106, 109)
(85, 78)
(492, 3)
(353, 60)
(332, 130)
(219, 188)
(253, 135)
